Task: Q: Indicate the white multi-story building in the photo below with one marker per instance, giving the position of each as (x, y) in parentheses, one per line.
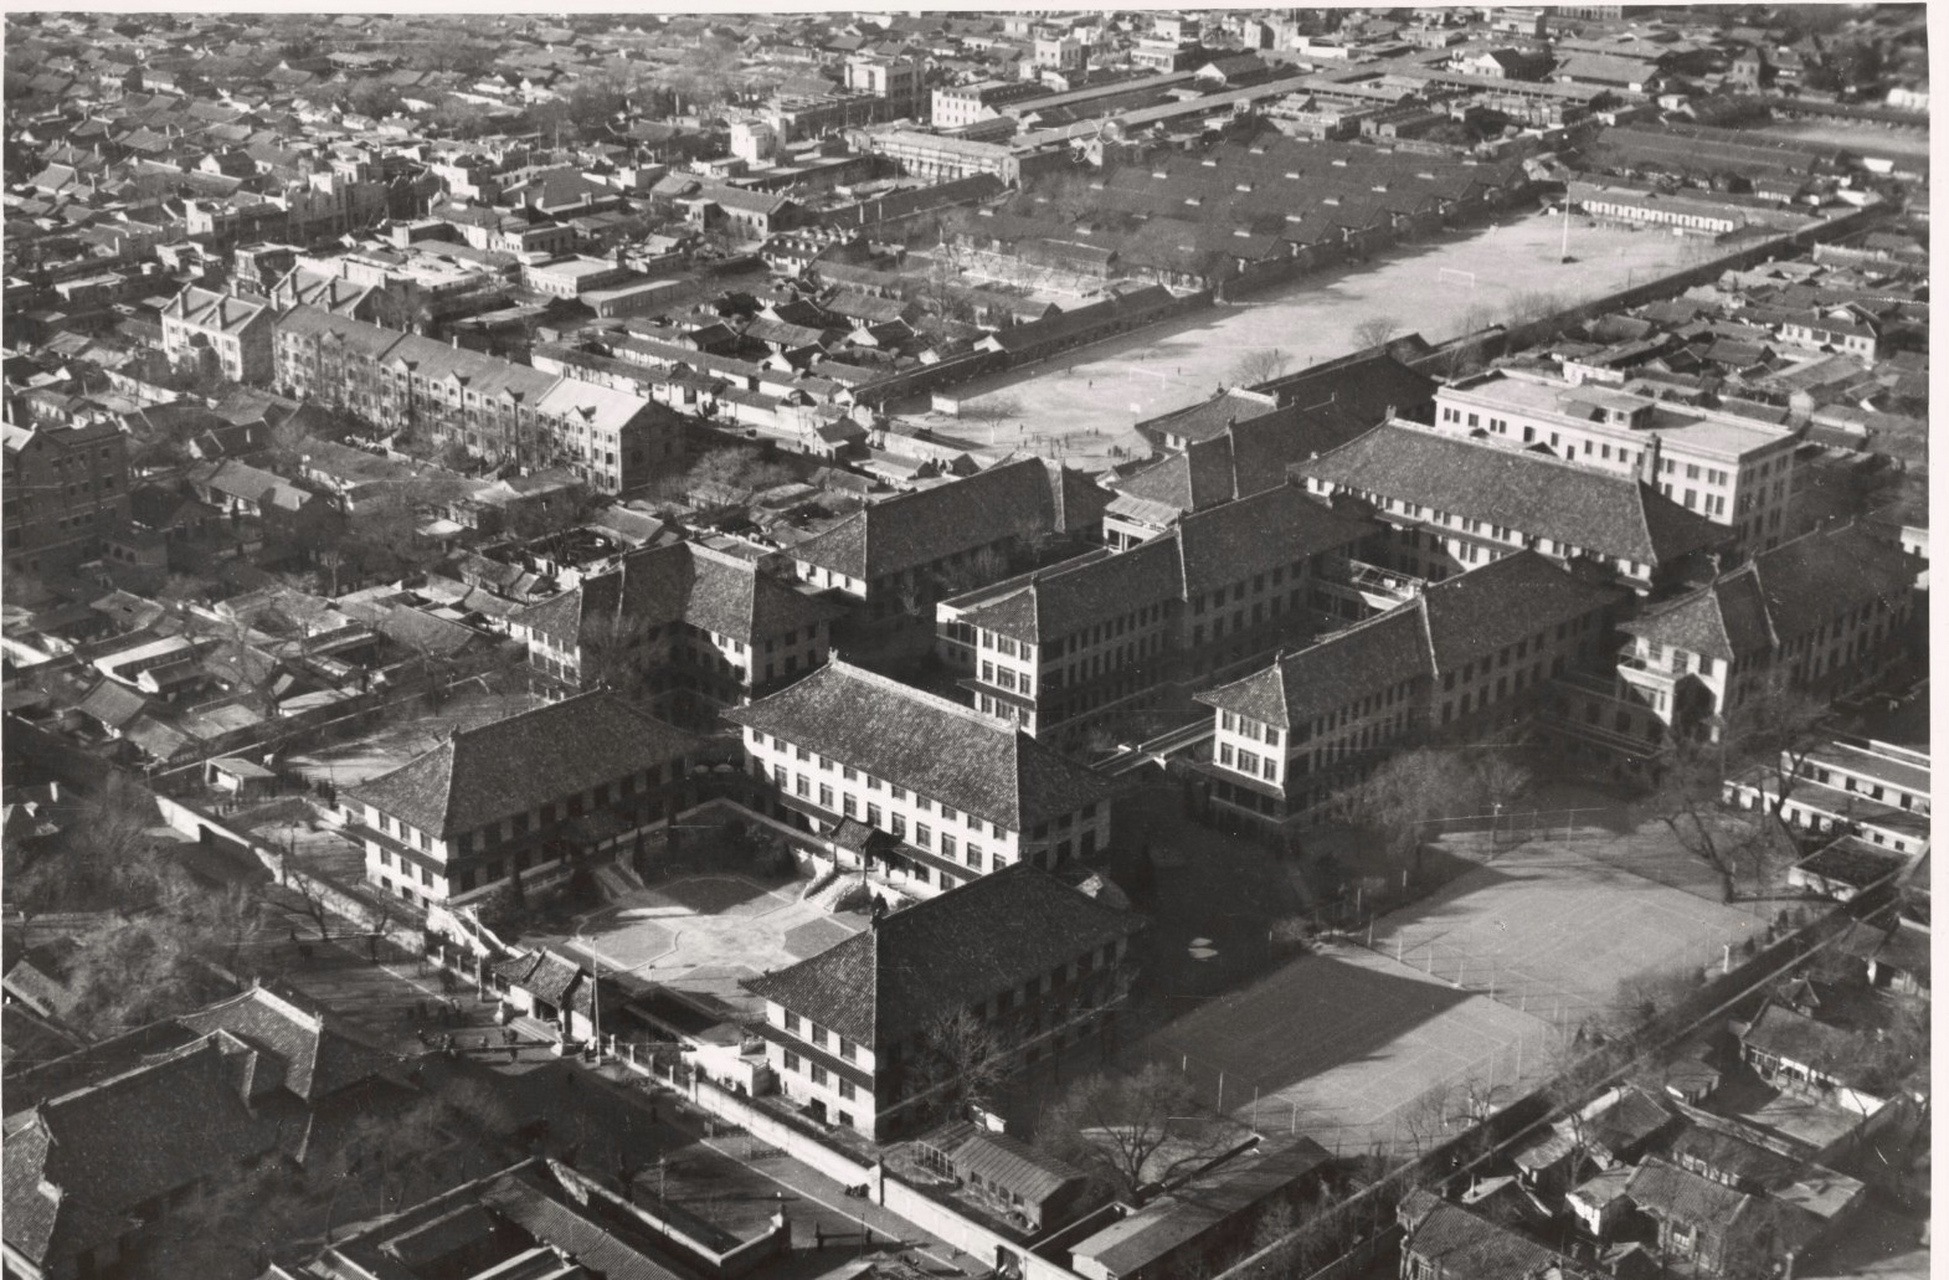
(1734, 471)
(938, 793)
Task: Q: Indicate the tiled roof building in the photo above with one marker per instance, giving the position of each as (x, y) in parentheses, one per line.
(1469, 651)
(236, 333)
(697, 628)
(1453, 504)
(1822, 609)
(902, 545)
(1039, 963)
(517, 797)
(1103, 633)
(965, 793)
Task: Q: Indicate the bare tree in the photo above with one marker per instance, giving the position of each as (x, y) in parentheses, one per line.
(1407, 792)
(1257, 365)
(992, 411)
(615, 652)
(957, 1064)
(985, 565)
(1374, 330)
(1425, 1120)
(1119, 1128)
(1764, 736)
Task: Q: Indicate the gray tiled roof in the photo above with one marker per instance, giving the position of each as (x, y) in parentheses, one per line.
(481, 775)
(1453, 622)
(1616, 516)
(1461, 1245)
(946, 752)
(938, 957)
(916, 529)
(1797, 587)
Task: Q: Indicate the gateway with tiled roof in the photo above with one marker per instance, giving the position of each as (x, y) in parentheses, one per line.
(1477, 502)
(848, 1030)
(584, 774)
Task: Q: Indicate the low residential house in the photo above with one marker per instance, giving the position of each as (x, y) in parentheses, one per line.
(524, 799)
(1444, 1241)
(104, 1143)
(237, 333)
(901, 555)
(1107, 633)
(1710, 1226)
(1463, 656)
(852, 1033)
(1451, 504)
(1826, 609)
(1848, 330)
(1812, 1059)
(1030, 1189)
(960, 794)
(542, 1218)
(692, 628)
(239, 489)
(1209, 1212)
(555, 990)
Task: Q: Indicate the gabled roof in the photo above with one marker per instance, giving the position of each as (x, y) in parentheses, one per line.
(1796, 587)
(938, 957)
(1459, 620)
(482, 775)
(1679, 1195)
(319, 1053)
(915, 529)
(682, 581)
(1464, 1246)
(1617, 516)
(939, 749)
(207, 309)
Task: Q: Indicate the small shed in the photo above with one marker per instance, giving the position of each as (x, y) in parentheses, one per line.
(242, 778)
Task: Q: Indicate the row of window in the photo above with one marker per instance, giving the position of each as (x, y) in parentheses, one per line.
(848, 773)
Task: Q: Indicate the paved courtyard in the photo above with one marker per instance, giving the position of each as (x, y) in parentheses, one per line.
(1082, 407)
(701, 934)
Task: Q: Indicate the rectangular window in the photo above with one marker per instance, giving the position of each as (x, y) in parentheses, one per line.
(923, 835)
(791, 1061)
(873, 815)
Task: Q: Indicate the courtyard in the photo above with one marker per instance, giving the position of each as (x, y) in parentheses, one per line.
(701, 934)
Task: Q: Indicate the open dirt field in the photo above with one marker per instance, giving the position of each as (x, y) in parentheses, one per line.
(1081, 407)
(1344, 1047)
(1553, 930)
(703, 933)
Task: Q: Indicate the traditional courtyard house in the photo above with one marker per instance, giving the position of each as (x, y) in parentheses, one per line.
(696, 629)
(522, 799)
(957, 793)
(1448, 505)
(1465, 654)
(853, 1032)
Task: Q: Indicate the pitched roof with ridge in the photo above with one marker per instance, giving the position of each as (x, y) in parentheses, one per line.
(916, 529)
(951, 754)
(494, 771)
(1617, 516)
(1796, 587)
(1453, 622)
(887, 983)
(207, 309)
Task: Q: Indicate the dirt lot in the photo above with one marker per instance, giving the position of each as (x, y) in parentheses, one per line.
(1082, 407)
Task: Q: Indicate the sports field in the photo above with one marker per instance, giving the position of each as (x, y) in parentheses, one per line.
(1345, 1046)
(701, 934)
(1473, 988)
(1552, 930)
(1082, 407)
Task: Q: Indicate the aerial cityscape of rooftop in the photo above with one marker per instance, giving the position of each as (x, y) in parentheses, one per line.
(1143, 644)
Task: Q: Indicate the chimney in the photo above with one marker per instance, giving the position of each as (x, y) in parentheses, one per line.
(1648, 462)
